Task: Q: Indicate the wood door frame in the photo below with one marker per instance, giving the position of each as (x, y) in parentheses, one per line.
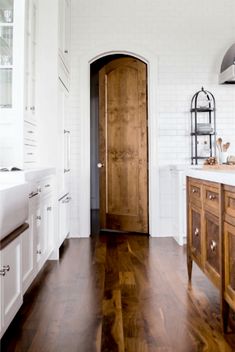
(81, 84)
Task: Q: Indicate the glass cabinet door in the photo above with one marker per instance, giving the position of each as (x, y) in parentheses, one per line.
(6, 52)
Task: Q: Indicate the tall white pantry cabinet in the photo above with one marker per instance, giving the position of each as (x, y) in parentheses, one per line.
(53, 94)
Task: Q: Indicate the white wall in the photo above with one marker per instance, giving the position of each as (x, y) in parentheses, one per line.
(185, 42)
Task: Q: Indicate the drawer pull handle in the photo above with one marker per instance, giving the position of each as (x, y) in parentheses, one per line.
(213, 245)
(66, 200)
(49, 208)
(30, 132)
(2, 272)
(212, 197)
(6, 267)
(39, 251)
(48, 185)
(39, 217)
(196, 232)
(194, 190)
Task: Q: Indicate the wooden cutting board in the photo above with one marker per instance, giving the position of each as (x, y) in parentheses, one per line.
(220, 167)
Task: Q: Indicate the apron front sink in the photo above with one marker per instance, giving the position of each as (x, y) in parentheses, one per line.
(13, 207)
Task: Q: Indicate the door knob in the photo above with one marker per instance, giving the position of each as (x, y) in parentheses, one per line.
(100, 165)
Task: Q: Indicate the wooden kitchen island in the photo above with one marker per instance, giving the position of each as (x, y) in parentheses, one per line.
(211, 231)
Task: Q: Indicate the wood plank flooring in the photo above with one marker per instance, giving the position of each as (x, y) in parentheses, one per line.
(119, 293)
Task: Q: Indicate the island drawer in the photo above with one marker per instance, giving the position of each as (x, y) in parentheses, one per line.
(229, 204)
(211, 198)
(195, 192)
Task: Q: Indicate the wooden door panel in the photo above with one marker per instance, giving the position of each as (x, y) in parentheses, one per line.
(196, 232)
(123, 145)
(212, 250)
(123, 192)
(229, 263)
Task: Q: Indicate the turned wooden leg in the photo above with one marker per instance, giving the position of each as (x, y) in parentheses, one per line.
(224, 315)
(189, 265)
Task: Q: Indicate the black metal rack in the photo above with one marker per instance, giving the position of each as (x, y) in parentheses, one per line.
(203, 126)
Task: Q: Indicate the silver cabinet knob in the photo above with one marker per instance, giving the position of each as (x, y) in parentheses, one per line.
(100, 165)
(2, 272)
(211, 197)
(6, 267)
(39, 217)
(213, 245)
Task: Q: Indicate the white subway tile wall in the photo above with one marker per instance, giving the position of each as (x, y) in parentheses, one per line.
(189, 39)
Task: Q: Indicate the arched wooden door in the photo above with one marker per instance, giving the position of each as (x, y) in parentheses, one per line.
(123, 145)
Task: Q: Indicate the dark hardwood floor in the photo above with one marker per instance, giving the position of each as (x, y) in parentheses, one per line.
(119, 293)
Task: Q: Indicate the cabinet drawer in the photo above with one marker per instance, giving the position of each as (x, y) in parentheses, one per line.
(194, 192)
(211, 198)
(30, 133)
(30, 153)
(46, 186)
(229, 204)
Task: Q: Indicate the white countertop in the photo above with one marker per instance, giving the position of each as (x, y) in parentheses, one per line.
(26, 175)
(39, 173)
(226, 177)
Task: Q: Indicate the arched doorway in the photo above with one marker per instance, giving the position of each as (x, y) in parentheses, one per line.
(119, 144)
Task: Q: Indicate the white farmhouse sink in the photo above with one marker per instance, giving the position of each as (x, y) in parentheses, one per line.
(13, 207)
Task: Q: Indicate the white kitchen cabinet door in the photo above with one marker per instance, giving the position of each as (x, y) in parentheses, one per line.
(49, 224)
(2, 273)
(45, 231)
(11, 282)
(64, 142)
(41, 237)
(30, 61)
(64, 32)
(64, 218)
(17, 81)
(28, 253)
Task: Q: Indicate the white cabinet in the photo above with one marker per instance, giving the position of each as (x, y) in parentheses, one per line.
(64, 141)
(11, 282)
(30, 60)
(44, 221)
(17, 82)
(11, 31)
(64, 220)
(30, 121)
(64, 32)
(38, 241)
(28, 254)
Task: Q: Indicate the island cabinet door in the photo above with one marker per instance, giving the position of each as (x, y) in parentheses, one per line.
(212, 247)
(229, 263)
(195, 233)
